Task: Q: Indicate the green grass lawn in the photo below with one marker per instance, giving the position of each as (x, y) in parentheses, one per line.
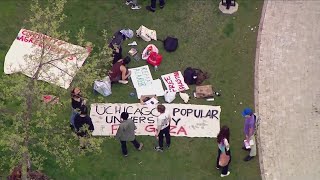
(222, 45)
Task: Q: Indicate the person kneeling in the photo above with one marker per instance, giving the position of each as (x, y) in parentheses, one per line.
(119, 72)
(126, 133)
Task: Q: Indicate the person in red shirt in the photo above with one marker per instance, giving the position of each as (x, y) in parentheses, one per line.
(119, 72)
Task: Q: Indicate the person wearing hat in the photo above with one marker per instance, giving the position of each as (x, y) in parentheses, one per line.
(249, 128)
(126, 133)
(119, 72)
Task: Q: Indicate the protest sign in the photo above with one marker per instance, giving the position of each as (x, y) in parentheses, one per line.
(143, 82)
(174, 82)
(60, 60)
(141, 76)
(187, 120)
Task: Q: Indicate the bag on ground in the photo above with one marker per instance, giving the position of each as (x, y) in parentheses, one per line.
(204, 91)
(169, 96)
(147, 51)
(146, 34)
(194, 76)
(170, 44)
(190, 76)
(103, 86)
(154, 59)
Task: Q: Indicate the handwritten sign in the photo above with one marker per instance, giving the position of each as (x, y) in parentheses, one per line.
(141, 76)
(61, 61)
(187, 120)
(174, 82)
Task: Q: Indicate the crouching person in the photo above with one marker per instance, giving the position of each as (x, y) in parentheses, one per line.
(119, 72)
(126, 133)
(83, 126)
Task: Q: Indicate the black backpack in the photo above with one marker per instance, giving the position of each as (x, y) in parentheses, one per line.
(170, 44)
(190, 76)
(194, 76)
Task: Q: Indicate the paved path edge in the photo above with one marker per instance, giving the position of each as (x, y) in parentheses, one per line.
(256, 84)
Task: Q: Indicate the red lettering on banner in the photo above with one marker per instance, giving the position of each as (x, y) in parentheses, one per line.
(114, 128)
(150, 128)
(21, 38)
(172, 128)
(36, 39)
(182, 130)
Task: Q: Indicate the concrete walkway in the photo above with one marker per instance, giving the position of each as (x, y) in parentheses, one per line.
(287, 94)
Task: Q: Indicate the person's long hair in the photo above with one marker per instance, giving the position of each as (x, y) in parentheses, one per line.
(224, 133)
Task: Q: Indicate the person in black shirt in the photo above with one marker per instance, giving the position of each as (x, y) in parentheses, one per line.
(77, 102)
(81, 120)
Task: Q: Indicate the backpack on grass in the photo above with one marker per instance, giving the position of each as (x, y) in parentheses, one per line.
(194, 76)
(170, 44)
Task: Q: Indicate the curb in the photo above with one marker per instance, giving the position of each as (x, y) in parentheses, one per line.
(256, 86)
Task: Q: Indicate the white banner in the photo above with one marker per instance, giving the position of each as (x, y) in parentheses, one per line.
(188, 120)
(174, 82)
(60, 59)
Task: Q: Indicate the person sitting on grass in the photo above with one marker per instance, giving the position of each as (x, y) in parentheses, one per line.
(126, 133)
(119, 72)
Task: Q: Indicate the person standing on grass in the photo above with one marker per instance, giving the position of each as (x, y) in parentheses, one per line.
(223, 148)
(152, 8)
(134, 4)
(249, 128)
(126, 133)
(83, 126)
(163, 127)
(77, 101)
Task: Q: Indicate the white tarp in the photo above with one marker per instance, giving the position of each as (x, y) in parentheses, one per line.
(175, 82)
(188, 120)
(60, 59)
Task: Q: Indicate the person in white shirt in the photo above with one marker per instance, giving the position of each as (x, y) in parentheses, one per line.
(163, 127)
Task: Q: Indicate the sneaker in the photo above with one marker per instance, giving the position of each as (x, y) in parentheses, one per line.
(244, 148)
(161, 7)
(140, 147)
(248, 158)
(150, 9)
(135, 7)
(159, 149)
(224, 175)
(217, 168)
(168, 146)
(129, 2)
(123, 82)
(126, 155)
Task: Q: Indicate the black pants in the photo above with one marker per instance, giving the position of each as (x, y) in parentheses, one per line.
(124, 146)
(166, 133)
(153, 3)
(225, 168)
